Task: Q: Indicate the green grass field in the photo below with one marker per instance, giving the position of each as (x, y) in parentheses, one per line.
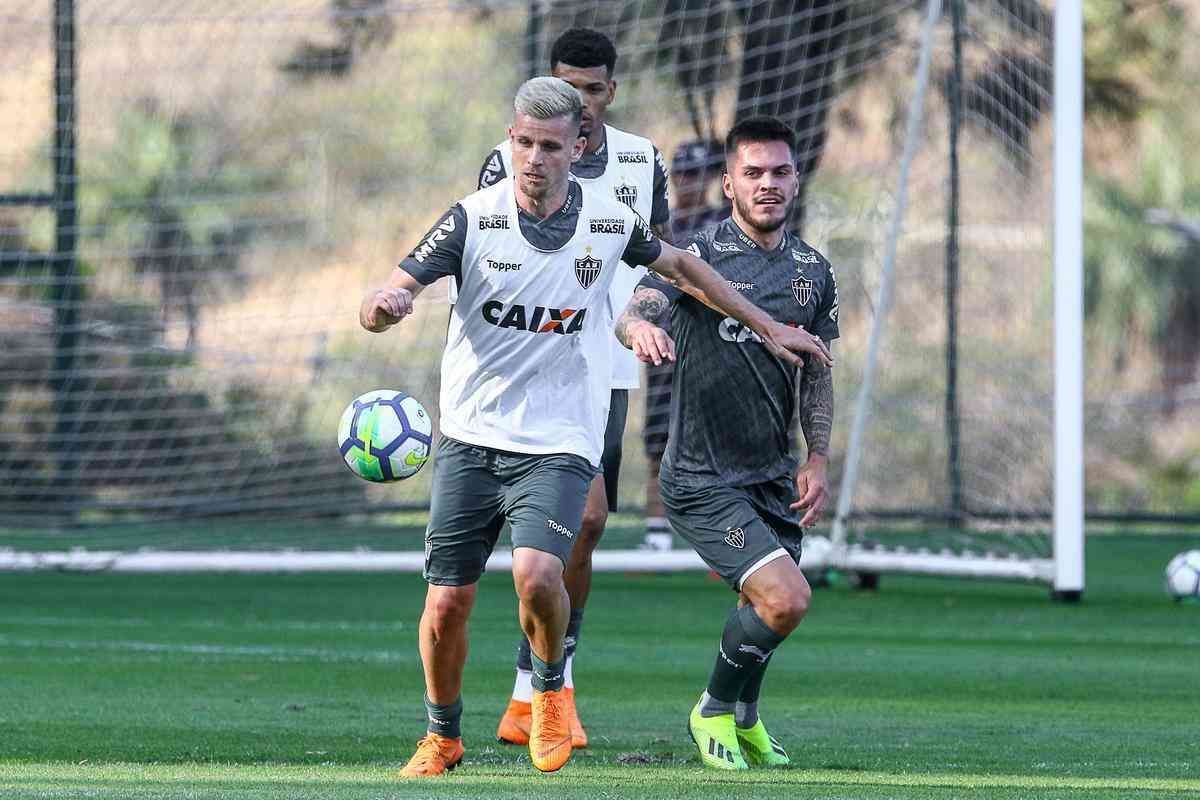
(308, 686)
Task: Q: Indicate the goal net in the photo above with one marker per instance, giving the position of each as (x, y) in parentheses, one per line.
(246, 170)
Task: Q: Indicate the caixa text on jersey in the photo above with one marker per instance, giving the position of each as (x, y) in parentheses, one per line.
(538, 319)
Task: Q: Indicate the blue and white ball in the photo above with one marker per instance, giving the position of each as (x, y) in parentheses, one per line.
(1183, 576)
(385, 436)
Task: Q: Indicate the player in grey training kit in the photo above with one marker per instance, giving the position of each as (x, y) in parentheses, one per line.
(729, 483)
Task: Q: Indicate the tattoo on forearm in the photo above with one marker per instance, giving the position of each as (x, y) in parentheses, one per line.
(646, 304)
(816, 406)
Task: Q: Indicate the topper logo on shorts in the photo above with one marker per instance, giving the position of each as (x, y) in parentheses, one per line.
(539, 319)
(560, 529)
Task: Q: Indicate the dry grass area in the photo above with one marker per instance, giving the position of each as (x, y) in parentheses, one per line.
(372, 159)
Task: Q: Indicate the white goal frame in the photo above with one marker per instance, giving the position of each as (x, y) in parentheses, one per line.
(1063, 570)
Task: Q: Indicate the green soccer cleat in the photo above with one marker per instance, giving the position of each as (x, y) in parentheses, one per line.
(760, 748)
(716, 739)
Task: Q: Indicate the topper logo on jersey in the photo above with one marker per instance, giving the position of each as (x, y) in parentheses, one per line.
(733, 331)
(802, 289)
(493, 222)
(632, 158)
(608, 225)
(504, 266)
(587, 269)
(539, 319)
(626, 194)
(438, 234)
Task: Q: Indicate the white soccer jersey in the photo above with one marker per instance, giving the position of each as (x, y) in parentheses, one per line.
(528, 360)
(628, 177)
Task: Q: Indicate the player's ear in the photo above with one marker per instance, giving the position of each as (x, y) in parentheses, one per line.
(727, 185)
(612, 91)
(578, 148)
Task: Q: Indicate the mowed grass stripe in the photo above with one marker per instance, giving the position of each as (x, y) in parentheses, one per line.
(16, 775)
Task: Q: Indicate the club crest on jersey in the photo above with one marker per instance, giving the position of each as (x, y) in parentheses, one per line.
(802, 289)
(626, 194)
(735, 538)
(587, 269)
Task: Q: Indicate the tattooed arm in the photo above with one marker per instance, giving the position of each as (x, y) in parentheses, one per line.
(638, 327)
(816, 420)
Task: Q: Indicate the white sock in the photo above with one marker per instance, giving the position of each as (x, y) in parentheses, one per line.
(568, 673)
(523, 688)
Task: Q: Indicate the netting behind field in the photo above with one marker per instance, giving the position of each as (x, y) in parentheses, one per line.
(246, 170)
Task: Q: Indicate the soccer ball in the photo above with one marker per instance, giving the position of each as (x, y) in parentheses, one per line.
(385, 436)
(1183, 575)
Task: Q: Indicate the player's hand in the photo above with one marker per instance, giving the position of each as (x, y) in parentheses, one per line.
(812, 487)
(388, 307)
(788, 343)
(650, 343)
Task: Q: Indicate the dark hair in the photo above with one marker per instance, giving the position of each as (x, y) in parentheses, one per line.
(760, 129)
(584, 47)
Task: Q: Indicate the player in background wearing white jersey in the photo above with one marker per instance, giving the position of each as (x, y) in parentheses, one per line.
(525, 390)
(631, 169)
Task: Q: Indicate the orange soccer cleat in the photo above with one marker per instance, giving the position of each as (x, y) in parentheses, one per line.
(550, 734)
(435, 755)
(515, 724)
(579, 738)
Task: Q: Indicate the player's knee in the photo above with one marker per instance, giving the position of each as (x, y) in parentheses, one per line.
(592, 528)
(784, 608)
(538, 582)
(447, 612)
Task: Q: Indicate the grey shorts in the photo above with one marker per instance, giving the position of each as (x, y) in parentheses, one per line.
(736, 529)
(477, 489)
(610, 459)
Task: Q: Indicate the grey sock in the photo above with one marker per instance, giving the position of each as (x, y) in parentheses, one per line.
(711, 706)
(745, 715)
(571, 640)
(445, 720)
(547, 677)
(746, 644)
(523, 660)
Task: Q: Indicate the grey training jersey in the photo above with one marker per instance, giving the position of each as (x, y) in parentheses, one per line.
(732, 400)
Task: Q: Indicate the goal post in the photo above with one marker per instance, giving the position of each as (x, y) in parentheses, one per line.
(232, 209)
